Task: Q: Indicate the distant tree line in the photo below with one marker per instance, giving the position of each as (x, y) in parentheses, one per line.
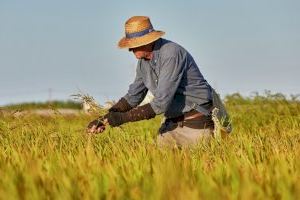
(45, 105)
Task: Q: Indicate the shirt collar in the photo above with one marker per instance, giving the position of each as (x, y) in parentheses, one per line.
(156, 49)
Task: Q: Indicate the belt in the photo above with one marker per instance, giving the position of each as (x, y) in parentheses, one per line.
(193, 119)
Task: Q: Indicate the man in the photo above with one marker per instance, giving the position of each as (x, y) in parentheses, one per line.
(171, 74)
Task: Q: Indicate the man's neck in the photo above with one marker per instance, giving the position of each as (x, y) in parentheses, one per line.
(149, 55)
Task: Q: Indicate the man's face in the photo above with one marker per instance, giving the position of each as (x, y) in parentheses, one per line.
(143, 52)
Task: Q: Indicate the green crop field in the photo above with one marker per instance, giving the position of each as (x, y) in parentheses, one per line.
(51, 157)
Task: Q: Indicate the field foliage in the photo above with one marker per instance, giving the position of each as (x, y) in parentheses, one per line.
(51, 157)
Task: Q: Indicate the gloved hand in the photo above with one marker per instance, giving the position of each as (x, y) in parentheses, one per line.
(115, 118)
(136, 114)
(97, 125)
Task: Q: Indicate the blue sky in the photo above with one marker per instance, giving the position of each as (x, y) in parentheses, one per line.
(240, 46)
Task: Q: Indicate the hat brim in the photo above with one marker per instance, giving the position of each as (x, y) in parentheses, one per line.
(140, 41)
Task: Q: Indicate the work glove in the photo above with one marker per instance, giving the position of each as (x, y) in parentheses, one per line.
(139, 113)
(96, 126)
(121, 106)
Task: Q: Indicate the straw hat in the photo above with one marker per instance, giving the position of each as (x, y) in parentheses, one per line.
(138, 32)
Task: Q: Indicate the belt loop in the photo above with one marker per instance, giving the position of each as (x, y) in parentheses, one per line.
(180, 124)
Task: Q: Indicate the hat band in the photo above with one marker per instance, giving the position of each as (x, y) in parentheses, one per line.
(139, 34)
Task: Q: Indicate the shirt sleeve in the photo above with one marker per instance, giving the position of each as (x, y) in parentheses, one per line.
(137, 90)
(172, 70)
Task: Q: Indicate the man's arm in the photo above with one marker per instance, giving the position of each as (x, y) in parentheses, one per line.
(136, 114)
(135, 95)
(170, 76)
(121, 106)
(137, 90)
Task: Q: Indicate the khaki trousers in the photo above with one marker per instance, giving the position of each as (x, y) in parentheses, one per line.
(170, 134)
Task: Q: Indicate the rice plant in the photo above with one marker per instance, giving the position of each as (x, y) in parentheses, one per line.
(51, 157)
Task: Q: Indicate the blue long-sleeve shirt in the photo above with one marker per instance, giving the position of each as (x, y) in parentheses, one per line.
(173, 78)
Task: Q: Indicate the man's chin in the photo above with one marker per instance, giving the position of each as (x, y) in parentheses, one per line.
(142, 57)
(147, 59)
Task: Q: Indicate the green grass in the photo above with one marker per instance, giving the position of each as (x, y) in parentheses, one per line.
(52, 158)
